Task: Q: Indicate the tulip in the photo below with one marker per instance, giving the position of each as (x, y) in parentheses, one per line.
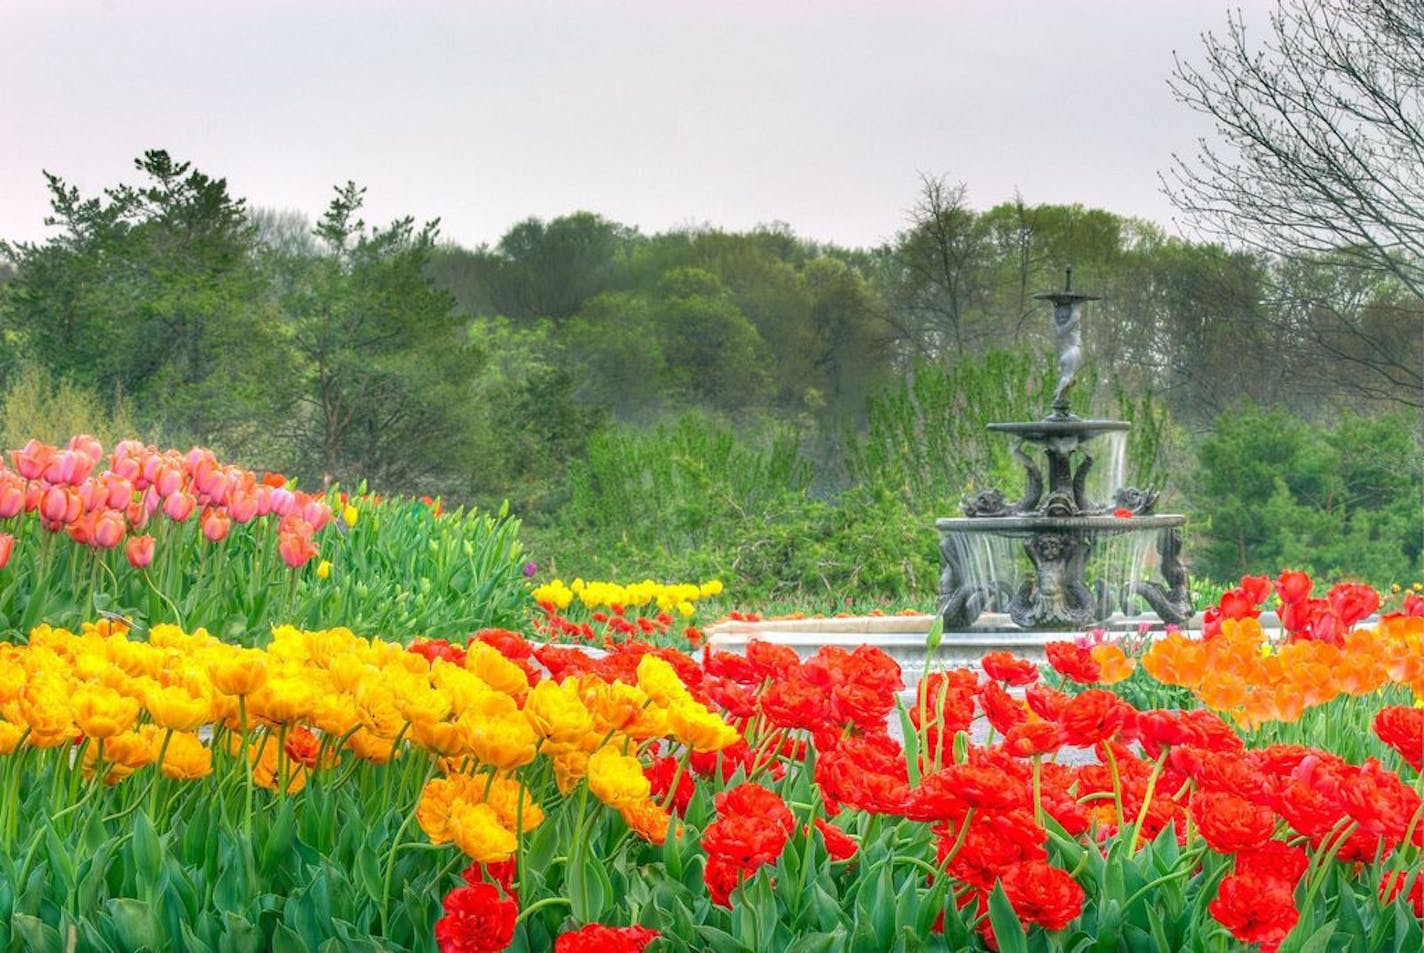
(81, 529)
(139, 551)
(7, 545)
(296, 550)
(179, 506)
(242, 507)
(120, 492)
(109, 529)
(215, 525)
(88, 445)
(60, 504)
(317, 513)
(283, 500)
(12, 496)
(1293, 586)
(70, 466)
(168, 480)
(32, 459)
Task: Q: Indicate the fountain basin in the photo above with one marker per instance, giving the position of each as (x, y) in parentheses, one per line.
(1022, 527)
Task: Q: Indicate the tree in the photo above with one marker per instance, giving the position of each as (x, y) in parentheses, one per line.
(1321, 152)
(152, 290)
(941, 261)
(384, 359)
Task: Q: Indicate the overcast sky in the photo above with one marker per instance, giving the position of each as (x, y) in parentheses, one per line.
(657, 113)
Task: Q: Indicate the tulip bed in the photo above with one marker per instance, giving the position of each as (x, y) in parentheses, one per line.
(492, 783)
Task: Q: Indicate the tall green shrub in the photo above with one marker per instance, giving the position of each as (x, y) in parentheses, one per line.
(1274, 491)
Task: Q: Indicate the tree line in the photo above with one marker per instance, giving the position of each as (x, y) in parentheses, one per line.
(356, 353)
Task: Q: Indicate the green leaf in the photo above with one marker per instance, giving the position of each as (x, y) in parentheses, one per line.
(588, 889)
(239, 936)
(60, 864)
(35, 935)
(720, 941)
(145, 849)
(92, 877)
(1008, 931)
(278, 845)
(134, 922)
(287, 940)
(816, 942)
(1318, 942)
(368, 874)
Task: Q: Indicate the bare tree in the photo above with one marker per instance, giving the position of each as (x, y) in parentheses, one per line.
(1319, 155)
(941, 259)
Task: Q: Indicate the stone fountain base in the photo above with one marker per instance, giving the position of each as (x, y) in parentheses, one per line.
(902, 637)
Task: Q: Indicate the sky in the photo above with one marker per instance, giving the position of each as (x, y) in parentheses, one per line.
(654, 113)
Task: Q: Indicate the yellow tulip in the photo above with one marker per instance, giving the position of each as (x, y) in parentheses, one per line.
(617, 779)
(503, 743)
(477, 831)
(699, 729)
(556, 711)
(186, 758)
(101, 712)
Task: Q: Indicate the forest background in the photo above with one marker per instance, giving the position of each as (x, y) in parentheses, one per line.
(787, 415)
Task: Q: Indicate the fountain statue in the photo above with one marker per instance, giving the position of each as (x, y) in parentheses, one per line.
(1059, 525)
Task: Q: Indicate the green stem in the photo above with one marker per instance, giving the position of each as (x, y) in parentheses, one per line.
(1146, 801)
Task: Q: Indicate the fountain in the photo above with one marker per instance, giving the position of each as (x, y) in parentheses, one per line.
(1060, 527)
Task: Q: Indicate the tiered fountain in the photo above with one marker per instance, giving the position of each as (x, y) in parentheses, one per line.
(1061, 529)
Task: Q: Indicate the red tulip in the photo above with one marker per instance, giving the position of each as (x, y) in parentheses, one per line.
(7, 545)
(1293, 586)
(1236, 604)
(139, 551)
(1352, 601)
(1256, 588)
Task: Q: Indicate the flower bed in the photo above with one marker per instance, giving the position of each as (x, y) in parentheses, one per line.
(163, 788)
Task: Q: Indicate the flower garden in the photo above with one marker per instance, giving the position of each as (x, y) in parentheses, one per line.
(235, 716)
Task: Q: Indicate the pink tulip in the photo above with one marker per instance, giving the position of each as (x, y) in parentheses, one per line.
(139, 551)
(296, 550)
(121, 492)
(31, 460)
(55, 505)
(283, 500)
(7, 545)
(167, 480)
(69, 466)
(109, 529)
(88, 445)
(12, 496)
(242, 507)
(179, 506)
(215, 525)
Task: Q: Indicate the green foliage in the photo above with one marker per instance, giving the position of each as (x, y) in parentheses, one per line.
(399, 572)
(151, 291)
(1339, 501)
(38, 406)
